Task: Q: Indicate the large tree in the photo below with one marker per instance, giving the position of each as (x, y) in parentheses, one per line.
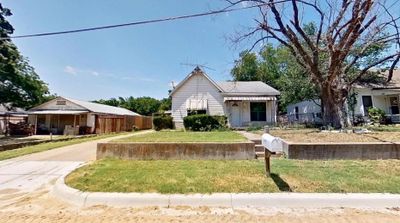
(276, 67)
(335, 56)
(141, 105)
(19, 84)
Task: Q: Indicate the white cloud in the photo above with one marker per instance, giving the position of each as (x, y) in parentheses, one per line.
(244, 4)
(75, 71)
(70, 70)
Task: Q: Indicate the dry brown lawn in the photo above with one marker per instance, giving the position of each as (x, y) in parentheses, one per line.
(314, 135)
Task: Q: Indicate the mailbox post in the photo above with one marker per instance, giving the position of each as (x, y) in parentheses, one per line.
(267, 157)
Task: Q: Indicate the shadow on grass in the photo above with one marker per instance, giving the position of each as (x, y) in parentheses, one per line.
(280, 183)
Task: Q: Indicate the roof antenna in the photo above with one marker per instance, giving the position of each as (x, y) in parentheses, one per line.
(198, 65)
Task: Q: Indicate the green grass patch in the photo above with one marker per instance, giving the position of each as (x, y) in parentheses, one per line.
(49, 145)
(385, 128)
(178, 136)
(209, 176)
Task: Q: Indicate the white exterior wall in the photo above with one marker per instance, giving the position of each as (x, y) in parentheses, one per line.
(304, 107)
(196, 87)
(380, 99)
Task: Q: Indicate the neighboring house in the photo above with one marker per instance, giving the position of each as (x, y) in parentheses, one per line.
(13, 115)
(245, 103)
(71, 117)
(383, 96)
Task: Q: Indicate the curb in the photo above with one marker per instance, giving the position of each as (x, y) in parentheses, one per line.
(232, 200)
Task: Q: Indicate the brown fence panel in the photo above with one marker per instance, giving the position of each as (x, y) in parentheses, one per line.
(108, 124)
(143, 122)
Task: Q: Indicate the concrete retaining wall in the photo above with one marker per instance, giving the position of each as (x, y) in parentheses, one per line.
(156, 151)
(358, 150)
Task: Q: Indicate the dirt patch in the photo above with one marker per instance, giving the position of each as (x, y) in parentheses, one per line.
(313, 135)
(39, 206)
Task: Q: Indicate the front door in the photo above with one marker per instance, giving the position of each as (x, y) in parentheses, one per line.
(235, 115)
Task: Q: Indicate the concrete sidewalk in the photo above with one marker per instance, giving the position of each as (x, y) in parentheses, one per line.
(231, 200)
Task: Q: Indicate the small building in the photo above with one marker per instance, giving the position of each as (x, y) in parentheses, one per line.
(245, 103)
(384, 96)
(11, 115)
(71, 117)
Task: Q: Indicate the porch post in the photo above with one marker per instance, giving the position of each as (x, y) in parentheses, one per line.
(35, 130)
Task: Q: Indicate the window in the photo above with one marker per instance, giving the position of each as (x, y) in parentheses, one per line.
(258, 111)
(61, 102)
(394, 105)
(196, 112)
(367, 103)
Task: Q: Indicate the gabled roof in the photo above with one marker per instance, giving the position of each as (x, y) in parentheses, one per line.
(94, 107)
(100, 108)
(247, 88)
(196, 70)
(234, 87)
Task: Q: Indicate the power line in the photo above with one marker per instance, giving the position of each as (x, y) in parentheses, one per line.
(140, 22)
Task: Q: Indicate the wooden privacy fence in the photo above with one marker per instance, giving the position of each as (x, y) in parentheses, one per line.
(143, 122)
(115, 123)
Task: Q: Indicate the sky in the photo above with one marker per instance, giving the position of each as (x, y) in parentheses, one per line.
(131, 61)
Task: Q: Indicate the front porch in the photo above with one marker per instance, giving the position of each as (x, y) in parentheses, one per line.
(387, 100)
(250, 111)
(59, 124)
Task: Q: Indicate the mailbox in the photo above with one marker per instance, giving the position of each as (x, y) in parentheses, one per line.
(273, 144)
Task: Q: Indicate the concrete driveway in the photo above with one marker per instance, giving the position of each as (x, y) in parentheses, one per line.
(27, 173)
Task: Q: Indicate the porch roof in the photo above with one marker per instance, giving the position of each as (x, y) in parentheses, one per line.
(253, 98)
(57, 112)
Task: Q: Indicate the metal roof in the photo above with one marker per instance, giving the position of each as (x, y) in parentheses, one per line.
(100, 108)
(247, 88)
(85, 107)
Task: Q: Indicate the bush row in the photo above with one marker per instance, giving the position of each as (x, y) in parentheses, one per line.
(205, 122)
(162, 122)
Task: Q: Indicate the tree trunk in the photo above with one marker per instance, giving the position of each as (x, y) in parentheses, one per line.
(332, 108)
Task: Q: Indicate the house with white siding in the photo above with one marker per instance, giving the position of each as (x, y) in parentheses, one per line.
(245, 103)
(385, 96)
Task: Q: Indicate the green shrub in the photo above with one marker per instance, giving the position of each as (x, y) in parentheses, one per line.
(163, 122)
(376, 115)
(205, 122)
